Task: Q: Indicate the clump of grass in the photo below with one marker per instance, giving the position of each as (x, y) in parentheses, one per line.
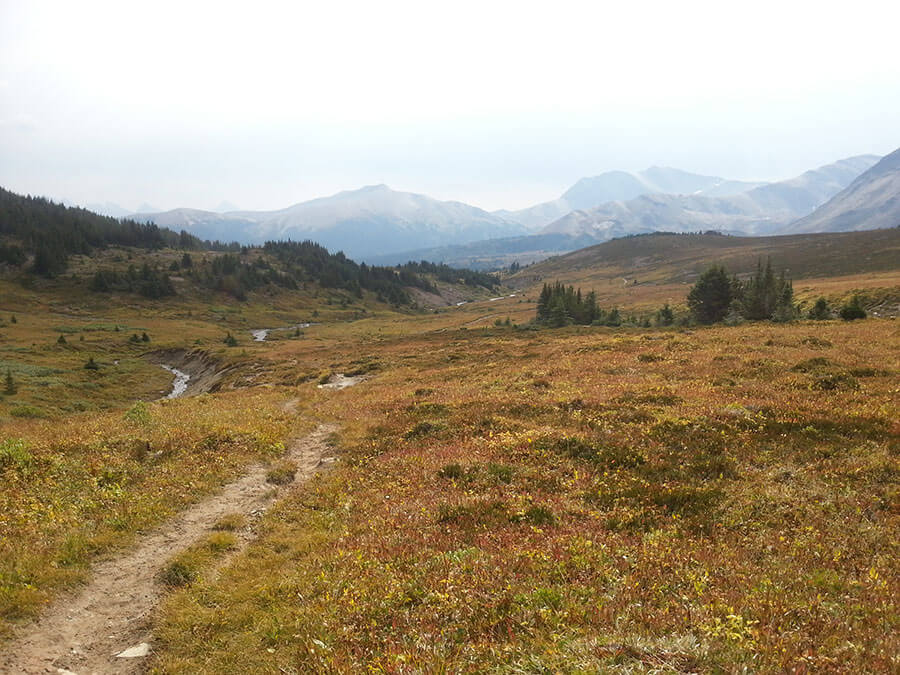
(452, 471)
(474, 514)
(186, 567)
(178, 573)
(649, 358)
(535, 515)
(425, 428)
(29, 411)
(601, 454)
(834, 381)
(230, 522)
(659, 396)
(811, 365)
(816, 342)
(502, 473)
(282, 473)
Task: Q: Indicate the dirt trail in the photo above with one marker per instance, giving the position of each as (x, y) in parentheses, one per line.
(84, 632)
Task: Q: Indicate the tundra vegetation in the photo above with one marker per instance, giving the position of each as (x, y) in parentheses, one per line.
(639, 497)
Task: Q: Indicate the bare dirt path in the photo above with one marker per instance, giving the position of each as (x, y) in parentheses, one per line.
(84, 632)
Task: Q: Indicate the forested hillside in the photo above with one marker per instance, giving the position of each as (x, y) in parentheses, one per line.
(50, 232)
(38, 236)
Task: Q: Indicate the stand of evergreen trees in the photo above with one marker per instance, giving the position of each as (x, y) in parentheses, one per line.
(148, 281)
(452, 275)
(560, 305)
(764, 296)
(52, 232)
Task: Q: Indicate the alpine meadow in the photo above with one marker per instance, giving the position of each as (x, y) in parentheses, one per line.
(641, 419)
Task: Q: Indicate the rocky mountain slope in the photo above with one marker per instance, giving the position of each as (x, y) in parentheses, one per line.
(871, 201)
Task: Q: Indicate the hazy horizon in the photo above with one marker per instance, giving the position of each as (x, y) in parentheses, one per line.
(499, 106)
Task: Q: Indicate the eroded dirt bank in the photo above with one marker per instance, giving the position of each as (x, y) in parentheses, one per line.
(85, 631)
(205, 374)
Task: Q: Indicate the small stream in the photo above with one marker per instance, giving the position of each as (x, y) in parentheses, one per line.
(179, 386)
(260, 334)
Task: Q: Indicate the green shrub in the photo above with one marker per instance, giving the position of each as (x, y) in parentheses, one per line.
(423, 429)
(28, 411)
(852, 310)
(14, 453)
(139, 413)
(820, 311)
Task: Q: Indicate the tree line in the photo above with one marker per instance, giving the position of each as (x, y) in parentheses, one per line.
(52, 232)
(560, 305)
(764, 296)
(716, 296)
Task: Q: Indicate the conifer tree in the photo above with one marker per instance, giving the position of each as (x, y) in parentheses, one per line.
(820, 310)
(665, 316)
(853, 310)
(711, 296)
(10, 387)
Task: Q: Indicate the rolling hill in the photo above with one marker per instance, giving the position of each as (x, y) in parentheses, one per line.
(679, 258)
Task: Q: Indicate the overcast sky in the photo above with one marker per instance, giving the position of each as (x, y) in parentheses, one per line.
(499, 104)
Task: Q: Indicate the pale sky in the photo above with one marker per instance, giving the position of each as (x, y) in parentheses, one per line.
(499, 104)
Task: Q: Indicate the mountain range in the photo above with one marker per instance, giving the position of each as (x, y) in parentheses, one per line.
(871, 201)
(364, 222)
(617, 186)
(380, 225)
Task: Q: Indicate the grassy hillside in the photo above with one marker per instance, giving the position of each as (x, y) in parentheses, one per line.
(641, 273)
(672, 258)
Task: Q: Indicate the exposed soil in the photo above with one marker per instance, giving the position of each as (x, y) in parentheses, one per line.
(204, 372)
(83, 633)
(341, 381)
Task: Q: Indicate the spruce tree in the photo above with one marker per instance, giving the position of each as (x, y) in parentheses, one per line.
(710, 296)
(853, 310)
(665, 316)
(10, 387)
(820, 311)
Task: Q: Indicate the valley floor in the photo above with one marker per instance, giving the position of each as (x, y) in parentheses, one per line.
(503, 500)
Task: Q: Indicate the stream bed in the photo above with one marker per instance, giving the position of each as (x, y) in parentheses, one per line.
(180, 384)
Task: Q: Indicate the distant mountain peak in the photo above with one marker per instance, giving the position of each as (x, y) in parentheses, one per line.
(871, 201)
